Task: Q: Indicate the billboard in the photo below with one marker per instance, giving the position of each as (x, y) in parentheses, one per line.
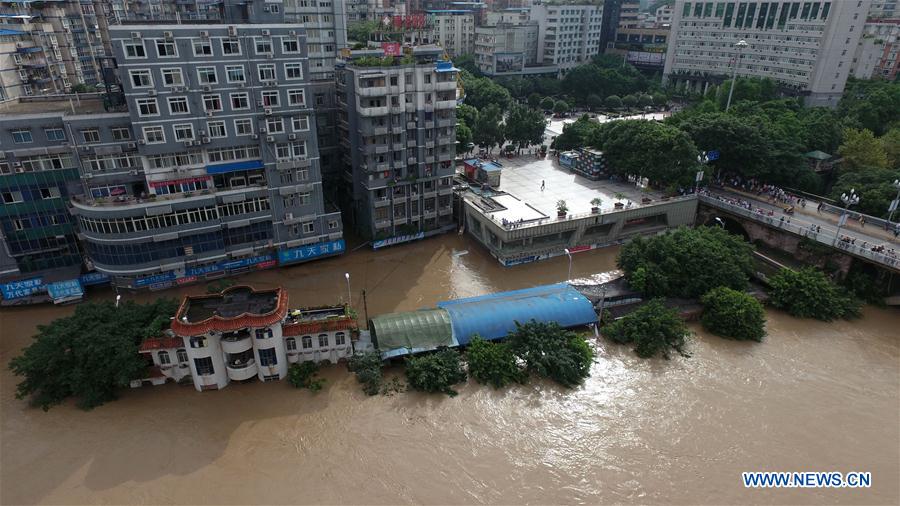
(509, 62)
(391, 49)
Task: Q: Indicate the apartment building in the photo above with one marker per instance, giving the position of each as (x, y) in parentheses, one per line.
(807, 47)
(642, 44)
(663, 15)
(453, 30)
(569, 34)
(241, 334)
(509, 49)
(398, 130)
(879, 47)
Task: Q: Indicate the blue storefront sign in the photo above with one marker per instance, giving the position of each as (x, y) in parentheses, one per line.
(712, 155)
(154, 279)
(65, 289)
(397, 240)
(519, 261)
(312, 251)
(23, 288)
(93, 278)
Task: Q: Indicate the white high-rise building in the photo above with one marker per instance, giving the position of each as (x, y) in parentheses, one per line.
(568, 35)
(807, 47)
(454, 30)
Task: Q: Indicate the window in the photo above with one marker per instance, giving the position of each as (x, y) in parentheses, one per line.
(267, 357)
(240, 101)
(204, 366)
(172, 77)
(293, 71)
(263, 46)
(207, 75)
(166, 49)
(291, 344)
(147, 107)
(243, 127)
(134, 49)
(274, 125)
(182, 355)
(22, 136)
(178, 105)
(274, 8)
(154, 135)
(235, 74)
(266, 72)
(269, 98)
(216, 129)
(202, 48)
(141, 78)
(12, 197)
(91, 136)
(297, 98)
(340, 339)
(55, 134)
(323, 340)
(231, 47)
(212, 103)
(307, 342)
(183, 132)
(50, 193)
(121, 134)
(263, 333)
(164, 358)
(334, 225)
(290, 46)
(300, 123)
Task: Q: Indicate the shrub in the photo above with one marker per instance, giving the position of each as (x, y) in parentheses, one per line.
(652, 329)
(436, 372)
(807, 293)
(302, 376)
(493, 363)
(551, 351)
(367, 367)
(734, 314)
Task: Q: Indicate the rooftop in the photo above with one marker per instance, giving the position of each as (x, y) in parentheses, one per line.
(235, 308)
(64, 104)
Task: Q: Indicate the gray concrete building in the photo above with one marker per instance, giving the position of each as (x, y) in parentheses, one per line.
(807, 47)
(398, 131)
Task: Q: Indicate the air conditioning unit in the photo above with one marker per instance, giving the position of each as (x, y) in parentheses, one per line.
(151, 93)
(168, 35)
(197, 143)
(255, 137)
(85, 148)
(19, 170)
(270, 56)
(142, 142)
(202, 133)
(242, 85)
(132, 145)
(135, 35)
(292, 33)
(270, 139)
(209, 114)
(292, 137)
(232, 30)
(266, 33)
(205, 140)
(289, 216)
(268, 111)
(188, 144)
(266, 9)
(263, 130)
(204, 34)
(259, 103)
(134, 172)
(207, 87)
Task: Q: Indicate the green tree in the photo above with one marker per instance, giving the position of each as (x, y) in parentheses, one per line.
(534, 101)
(873, 187)
(547, 103)
(645, 100)
(436, 372)
(551, 351)
(488, 128)
(367, 367)
(653, 329)
(90, 354)
(660, 152)
(493, 363)
(742, 145)
(560, 107)
(687, 262)
(891, 144)
(302, 375)
(524, 126)
(481, 92)
(734, 314)
(518, 87)
(467, 62)
(582, 81)
(575, 135)
(361, 30)
(861, 149)
(613, 102)
(821, 129)
(629, 100)
(871, 104)
(467, 114)
(807, 293)
(594, 102)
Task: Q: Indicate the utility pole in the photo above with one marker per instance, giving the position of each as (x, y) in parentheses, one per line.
(737, 60)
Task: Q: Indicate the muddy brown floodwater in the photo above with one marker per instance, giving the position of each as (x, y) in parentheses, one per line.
(813, 397)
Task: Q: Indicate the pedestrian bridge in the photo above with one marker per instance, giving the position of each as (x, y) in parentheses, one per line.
(796, 226)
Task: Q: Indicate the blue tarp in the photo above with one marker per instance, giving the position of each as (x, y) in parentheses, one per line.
(493, 316)
(7, 31)
(222, 168)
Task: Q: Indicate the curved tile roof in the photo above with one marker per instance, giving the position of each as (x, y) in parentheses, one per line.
(234, 308)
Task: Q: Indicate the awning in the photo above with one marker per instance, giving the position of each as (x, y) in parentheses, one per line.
(414, 330)
(222, 168)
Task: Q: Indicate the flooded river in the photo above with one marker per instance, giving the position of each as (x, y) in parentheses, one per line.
(812, 397)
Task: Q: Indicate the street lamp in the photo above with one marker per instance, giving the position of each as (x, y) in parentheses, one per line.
(896, 201)
(349, 297)
(740, 46)
(720, 222)
(569, 254)
(702, 159)
(118, 299)
(850, 199)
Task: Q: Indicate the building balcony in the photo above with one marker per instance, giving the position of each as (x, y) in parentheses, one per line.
(371, 112)
(397, 109)
(292, 164)
(411, 143)
(449, 122)
(429, 213)
(445, 211)
(411, 160)
(237, 343)
(373, 91)
(445, 190)
(398, 146)
(445, 85)
(446, 104)
(399, 220)
(410, 125)
(381, 202)
(383, 223)
(240, 372)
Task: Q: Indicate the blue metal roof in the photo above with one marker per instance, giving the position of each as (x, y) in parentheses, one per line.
(494, 316)
(222, 168)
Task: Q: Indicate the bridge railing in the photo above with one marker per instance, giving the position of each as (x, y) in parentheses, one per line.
(883, 258)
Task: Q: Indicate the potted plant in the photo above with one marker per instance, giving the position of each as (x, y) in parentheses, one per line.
(619, 198)
(561, 208)
(595, 205)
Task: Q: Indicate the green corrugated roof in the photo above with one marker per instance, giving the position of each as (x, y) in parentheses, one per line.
(818, 155)
(427, 328)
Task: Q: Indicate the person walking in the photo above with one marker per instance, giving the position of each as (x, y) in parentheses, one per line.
(543, 184)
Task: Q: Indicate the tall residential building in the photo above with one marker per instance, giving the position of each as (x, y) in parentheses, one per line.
(878, 53)
(398, 129)
(569, 34)
(509, 49)
(453, 30)
(807, 47)
(641, 44)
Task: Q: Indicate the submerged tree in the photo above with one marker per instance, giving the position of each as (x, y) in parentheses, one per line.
(436, 372)
(551, 351)
(734, 314)
(807, 293)
(493, 363)
(653, 329)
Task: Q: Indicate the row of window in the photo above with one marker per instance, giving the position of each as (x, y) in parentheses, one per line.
(230, 46)
(44, 219)
(40, 163)
(88, 135)
(768, 12)
(240, 101)
(234, 74)
(177, 218)
(22, 195)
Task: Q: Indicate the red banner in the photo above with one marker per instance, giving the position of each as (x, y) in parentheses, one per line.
(156, 184)
(391, 49)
